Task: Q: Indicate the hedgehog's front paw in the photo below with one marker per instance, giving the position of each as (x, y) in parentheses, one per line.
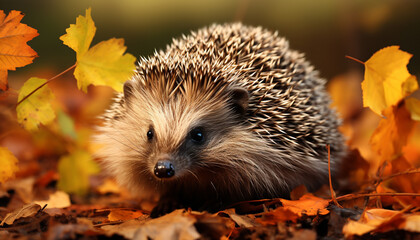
(165, 206)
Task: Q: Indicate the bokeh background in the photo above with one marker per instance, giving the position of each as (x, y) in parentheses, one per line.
(326, 30)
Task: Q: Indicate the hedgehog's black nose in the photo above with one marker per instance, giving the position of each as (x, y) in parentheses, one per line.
(164, 169)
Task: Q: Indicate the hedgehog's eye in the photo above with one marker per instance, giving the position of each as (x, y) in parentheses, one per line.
(150, 134)
(197, 135)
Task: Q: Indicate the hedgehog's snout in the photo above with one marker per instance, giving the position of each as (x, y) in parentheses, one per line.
(164, 169)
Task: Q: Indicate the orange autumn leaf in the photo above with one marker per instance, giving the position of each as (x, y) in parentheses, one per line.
(393, 132)
(387, 79)
(308, 204)
(279, 214)
(14, 51)
(123, 214)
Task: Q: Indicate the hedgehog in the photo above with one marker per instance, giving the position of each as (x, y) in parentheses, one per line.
(228, 113)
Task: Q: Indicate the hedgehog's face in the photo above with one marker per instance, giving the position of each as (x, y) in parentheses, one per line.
(174, 133)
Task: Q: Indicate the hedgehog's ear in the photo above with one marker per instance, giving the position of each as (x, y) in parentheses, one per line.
(239, 98)
(128, 89)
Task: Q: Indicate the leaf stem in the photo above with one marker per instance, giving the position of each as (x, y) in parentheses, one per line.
(355, 59)
(49, 80)
(329, 178)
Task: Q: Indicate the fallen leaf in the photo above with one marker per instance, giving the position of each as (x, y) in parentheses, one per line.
(403, 183)
(123, 214)
(376, 220)
(308, 204)
(277, 215)
(37, 108)
(392, 133)
(24, 189)
(169, 227)
(385, 75)
(412, 223)
(74, 170)
(240, 220)
(126, 229)
(8, 163)
(14, 51)
(104, 63)
(175, 225)
(59, 199)
(28, 210)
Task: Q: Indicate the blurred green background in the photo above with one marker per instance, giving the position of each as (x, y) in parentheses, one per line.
(326, 30)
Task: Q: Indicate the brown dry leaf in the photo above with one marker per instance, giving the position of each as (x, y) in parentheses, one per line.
(124, 214)
(381, 220)
(308, 205)
(28, 210)
(393, 132)
(240, 220)
(14, 51)
(59, 199)
(175, 225)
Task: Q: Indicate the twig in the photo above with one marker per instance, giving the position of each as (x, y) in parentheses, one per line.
(329, 178)
(355, 59)
(108, 223)
(360, 195)
(411, 171)
(48, 81)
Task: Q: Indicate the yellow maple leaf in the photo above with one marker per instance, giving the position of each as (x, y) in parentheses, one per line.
(74, 170)
(8, 163)
(386, 75)
(80, 35)
(14, 51)
(36, 109)
(104, 63)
